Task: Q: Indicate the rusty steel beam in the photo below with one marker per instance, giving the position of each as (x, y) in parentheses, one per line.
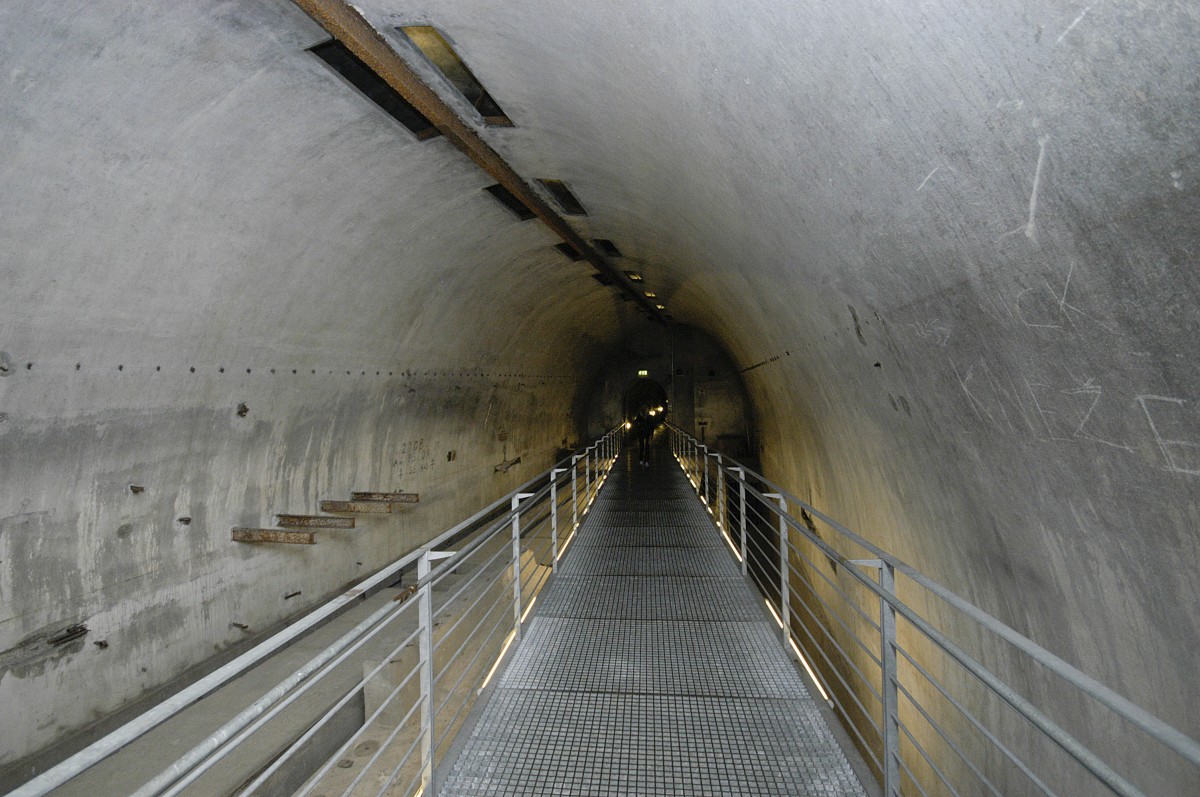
(361, 507)
(344, 22)
(314, 522)
(274, 535)
(398, 498)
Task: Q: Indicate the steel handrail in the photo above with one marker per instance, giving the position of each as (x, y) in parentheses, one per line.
(170, 707)
(1156, 728)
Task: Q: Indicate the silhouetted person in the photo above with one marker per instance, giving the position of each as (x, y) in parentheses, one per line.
(643, 428)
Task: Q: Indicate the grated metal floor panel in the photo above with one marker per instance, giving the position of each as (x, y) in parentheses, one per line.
(662, 535)
(646, 560)
(650, 598)
(649, 668)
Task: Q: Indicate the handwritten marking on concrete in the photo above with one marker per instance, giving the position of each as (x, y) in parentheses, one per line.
(1004, 105)
(1026, 321)
(1064, 310)
(1071, 27)
(1031, 224)
(1095, 391)
(1166, 445)
(926, 180)
(932, 331)
(962, 382)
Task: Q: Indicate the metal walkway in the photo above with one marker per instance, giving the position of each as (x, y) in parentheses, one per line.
(649, 668)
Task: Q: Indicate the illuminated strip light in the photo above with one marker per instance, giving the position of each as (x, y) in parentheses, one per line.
(528, 609)
(508, 641)
(799, 655)
(563, 549)
(729, 542)
(809, 670)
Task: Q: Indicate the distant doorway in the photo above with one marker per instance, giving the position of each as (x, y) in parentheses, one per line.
(641, 397)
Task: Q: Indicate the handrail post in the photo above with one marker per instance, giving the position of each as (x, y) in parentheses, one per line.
(587, 475)
(425, 648)
(554, 517)
(785, 600)
(722, 521)
(887, 655)
(889, 726)
(574, 491)
(516, 553)
(742, 513)
(705, 461)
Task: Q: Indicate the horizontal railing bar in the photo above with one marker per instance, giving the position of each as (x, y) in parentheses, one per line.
(499, 624)
(308, 734)
(912, 778)
(933, 766)
(849, 631)
(198, 753)
(845, 658)
(1023, 706)
(936, 770)
(412, 748)
(938, 730)
(849, 600)
(1011, 756)
(485, 568)
(503, 605)
(122, 736)
(1153, 726)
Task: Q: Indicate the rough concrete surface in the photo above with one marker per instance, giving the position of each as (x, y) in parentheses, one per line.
(958, 241)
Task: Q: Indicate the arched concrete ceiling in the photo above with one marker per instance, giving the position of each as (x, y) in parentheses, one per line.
(961, 236)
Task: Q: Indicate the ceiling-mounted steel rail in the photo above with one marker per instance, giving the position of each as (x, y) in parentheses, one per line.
(346, 24)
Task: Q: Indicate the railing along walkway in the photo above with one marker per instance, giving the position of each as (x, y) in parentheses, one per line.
(649, 667)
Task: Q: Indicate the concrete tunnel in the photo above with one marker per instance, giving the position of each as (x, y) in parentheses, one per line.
(930, 265)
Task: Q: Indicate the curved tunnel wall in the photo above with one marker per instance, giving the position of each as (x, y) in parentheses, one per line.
(958, 241)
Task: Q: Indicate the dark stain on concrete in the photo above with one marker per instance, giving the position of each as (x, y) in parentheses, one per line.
(31, 655)
(857, 327)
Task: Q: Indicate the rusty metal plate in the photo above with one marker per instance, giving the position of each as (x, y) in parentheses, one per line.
(274, 535)
(314, 522)
(359, 507)
(395, 498)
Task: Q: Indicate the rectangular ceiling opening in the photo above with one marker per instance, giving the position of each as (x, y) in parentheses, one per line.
(569, 251)
(510, 201)
(607, 247)
(563, 196)
(376, 89)
(439, 53)
(603, 279)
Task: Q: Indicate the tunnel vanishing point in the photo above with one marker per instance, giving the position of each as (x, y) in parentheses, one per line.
(932, 266)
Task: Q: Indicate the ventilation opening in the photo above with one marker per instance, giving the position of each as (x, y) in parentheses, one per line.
(376, 89)
(569, 251)
(563, 196)
(603, 279)
(607, 247)
(506, 198)
(439, 53)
